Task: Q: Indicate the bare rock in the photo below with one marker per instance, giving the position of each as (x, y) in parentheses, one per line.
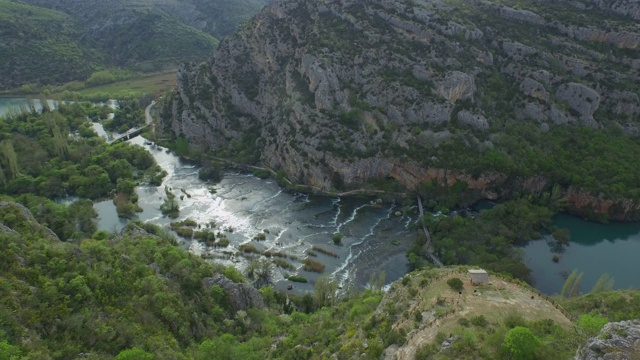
(521, 15)
(535, 111)
(617, 340)
(517, 51)
(582, 101)
(240, 296)
(534, 89)
(322, 82)
(457, 86)
(473, 120)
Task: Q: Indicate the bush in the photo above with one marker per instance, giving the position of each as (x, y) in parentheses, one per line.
(337, 238)
(312, 265)
(480, 321)
(298, 279)
(520, 343)
(455, 284)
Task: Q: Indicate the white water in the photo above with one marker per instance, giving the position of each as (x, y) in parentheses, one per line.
(295, 222)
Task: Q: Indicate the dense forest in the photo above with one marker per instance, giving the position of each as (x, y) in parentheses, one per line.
(135, 295)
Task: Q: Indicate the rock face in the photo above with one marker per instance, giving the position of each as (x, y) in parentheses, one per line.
(617, 340)
(337, 93)
(240, 296)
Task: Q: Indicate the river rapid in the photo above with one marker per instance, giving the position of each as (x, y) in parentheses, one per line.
(375, 238)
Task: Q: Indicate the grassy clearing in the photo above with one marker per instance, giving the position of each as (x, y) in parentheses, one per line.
(144, 84)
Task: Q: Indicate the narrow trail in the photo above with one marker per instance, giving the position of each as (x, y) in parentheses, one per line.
(428, 236)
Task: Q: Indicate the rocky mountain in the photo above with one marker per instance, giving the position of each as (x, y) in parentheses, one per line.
(503, 95)
(49, 42)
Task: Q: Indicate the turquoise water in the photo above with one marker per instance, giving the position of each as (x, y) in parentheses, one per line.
(595, 249)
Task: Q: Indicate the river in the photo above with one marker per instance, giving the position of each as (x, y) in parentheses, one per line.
(595, 249)
(375, 238)
(15, 105)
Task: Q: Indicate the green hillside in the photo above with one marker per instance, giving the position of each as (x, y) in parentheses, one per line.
(54, 42)
(40, 46)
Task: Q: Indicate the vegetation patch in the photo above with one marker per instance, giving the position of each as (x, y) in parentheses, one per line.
(321, 250)
(312, 265)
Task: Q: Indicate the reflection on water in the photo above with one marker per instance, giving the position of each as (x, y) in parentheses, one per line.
(595, 249)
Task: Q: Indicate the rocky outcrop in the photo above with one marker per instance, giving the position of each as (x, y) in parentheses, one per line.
(617, 340)
(457, 86)
(522, 15)
(240, 296)
(583, 100)
(23, 218)
(337, 93)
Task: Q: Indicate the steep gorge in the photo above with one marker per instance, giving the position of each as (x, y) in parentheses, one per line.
(339, 93)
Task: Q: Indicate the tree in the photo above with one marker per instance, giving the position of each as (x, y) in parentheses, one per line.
(6, 147)
(8, 352)
(325, 291)
(221, 348)
(260, 272)
(520, 343)
(134, 354)
(456, 284)
(337, 238)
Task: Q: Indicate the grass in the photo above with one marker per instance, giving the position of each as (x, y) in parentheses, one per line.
(248, 248)
(313, 266)
(284, 264)
(187, 223)
(324, 251)
(298, 279)
(184, 232)
(148, 83)
(270, 253)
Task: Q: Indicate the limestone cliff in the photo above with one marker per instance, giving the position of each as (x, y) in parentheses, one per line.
(337, 93)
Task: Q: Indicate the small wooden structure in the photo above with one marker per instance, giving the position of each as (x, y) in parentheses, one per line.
(479, 277)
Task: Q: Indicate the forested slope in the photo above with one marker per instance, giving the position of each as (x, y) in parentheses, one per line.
(52, 42)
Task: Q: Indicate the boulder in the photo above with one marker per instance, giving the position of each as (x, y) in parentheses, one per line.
(583, 100)
(240, 296)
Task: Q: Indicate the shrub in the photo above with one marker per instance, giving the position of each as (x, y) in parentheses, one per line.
(520, 343)
(324, 251)
(337, 238)
(298, 279)
(312, 265)
(480, 321)
(455, 284)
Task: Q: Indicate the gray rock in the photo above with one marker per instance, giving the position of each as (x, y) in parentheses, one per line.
(240, 296)
(517, 51)
(617, 340)
(390, 352)
(457, 86)
(473, 120)
(535, 111)
(534, 89)
(558, 116)
(583, 100)
(521, 15)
